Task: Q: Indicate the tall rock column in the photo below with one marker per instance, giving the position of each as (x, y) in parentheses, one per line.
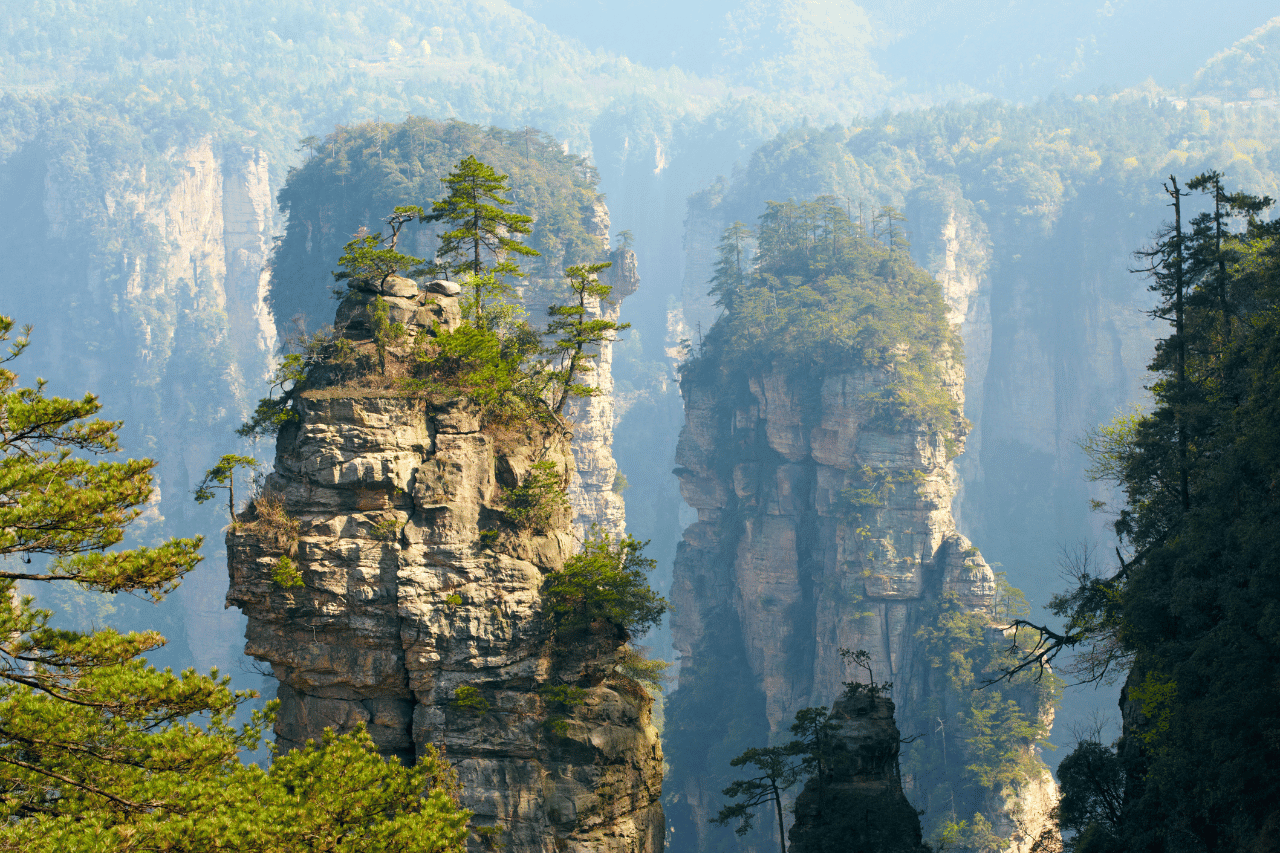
(820, 527)
(421, 609)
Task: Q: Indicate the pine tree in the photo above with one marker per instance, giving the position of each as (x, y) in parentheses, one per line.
(580, 335)
(482, 241)
(372, 258)
(98, 750)
(732, 265)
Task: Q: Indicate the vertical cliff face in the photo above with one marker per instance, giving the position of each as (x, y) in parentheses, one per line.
(820, 527)
(421, 613)
(807, 577)
(855, 800)
(593, 491)
(152, 263)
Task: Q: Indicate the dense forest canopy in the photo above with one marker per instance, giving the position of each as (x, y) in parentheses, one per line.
(821, 292)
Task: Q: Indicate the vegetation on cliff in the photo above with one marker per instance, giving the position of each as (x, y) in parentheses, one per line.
(100, 750)
(495, 358)
(604, 582)
(1189, 610)
(831, 329)
(974, 740)
(820, 292)
(360, 170)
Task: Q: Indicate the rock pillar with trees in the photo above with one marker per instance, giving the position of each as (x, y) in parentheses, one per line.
(822, 416)
(423, 506)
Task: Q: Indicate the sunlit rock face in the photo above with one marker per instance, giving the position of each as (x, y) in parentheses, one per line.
(143, 274)
(404, 603)
(594, 491)
(820, 527)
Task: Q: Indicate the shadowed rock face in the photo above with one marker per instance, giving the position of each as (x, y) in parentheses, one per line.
(765, 466)
(784, 568)
(856, 802)
(403, 604)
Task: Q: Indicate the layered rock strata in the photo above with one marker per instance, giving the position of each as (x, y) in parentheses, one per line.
(820, 528)
(855, 800)
(421, 614)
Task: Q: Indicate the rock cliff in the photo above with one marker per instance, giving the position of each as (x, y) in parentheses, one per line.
(786, 565)
(152, 261)
(421, 615)
(593, 491)
(855, 801)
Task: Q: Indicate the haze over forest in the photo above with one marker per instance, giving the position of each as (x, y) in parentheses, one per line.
(166, 170)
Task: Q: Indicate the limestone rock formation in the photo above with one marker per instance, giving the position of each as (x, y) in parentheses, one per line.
(153, 265)
(855, 801)
(421, 613)
(784, 568)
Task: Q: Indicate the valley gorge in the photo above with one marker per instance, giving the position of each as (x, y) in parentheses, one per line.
(147, 247)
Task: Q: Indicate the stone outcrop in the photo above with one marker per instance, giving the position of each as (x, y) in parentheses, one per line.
(784, 567)
(855, 800)
(421, 613)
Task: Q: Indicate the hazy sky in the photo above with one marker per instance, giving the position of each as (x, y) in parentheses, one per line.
(1016, 48)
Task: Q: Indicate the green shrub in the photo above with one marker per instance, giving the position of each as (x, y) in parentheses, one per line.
(467, 698)
(637, 667)
(604, 582)
(285, 575)
(385, 333)
(489, 367)
(386, 530)
(539, 500)
(562, 698)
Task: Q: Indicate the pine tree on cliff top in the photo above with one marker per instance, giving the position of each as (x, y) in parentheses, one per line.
(482, 242)
(98, 750)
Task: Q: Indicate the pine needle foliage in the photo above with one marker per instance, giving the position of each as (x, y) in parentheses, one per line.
(1188, 611)
(577, 335)
(98, 750)
(604, 583)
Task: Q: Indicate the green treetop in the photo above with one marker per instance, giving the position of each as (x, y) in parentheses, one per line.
(482, 240)
(605, 581)
(223, 476)
(370, 257)
(820, 293)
